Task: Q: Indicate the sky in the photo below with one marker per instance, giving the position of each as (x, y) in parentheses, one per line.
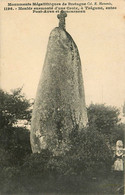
(100, 38)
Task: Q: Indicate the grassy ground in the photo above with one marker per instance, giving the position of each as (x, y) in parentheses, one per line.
(110, 185)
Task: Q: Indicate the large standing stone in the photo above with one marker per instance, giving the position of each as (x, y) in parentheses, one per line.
(60, 101)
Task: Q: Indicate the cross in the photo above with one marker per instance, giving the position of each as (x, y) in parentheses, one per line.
(61, 18)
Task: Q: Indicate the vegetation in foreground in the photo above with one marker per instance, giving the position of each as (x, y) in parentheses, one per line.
(84, 169)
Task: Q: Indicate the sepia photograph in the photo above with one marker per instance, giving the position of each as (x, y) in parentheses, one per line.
(62, 97)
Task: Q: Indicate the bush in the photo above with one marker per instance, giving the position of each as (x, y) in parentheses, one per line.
(90, 153)
(5, 159)
(36, 164)
(104, 118)
(9, 180)
(20, 144)
(89, 156)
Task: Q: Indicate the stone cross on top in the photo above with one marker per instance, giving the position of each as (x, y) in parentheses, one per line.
(61, 18)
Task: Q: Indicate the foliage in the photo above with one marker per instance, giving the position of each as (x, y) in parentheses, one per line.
(103, 117)
(117, 133)
(89, 153)
(13, 106)
(5, 159)
(14, 140)
(20, 145)
(106, 120)
(17, 144)
(37, 163)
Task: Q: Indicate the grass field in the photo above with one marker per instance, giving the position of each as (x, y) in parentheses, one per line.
(75, 185)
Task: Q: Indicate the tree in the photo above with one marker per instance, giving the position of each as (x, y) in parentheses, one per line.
(106, 120)
(13, 107)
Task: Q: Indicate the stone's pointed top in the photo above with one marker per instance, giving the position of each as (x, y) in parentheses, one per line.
(61, 18)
